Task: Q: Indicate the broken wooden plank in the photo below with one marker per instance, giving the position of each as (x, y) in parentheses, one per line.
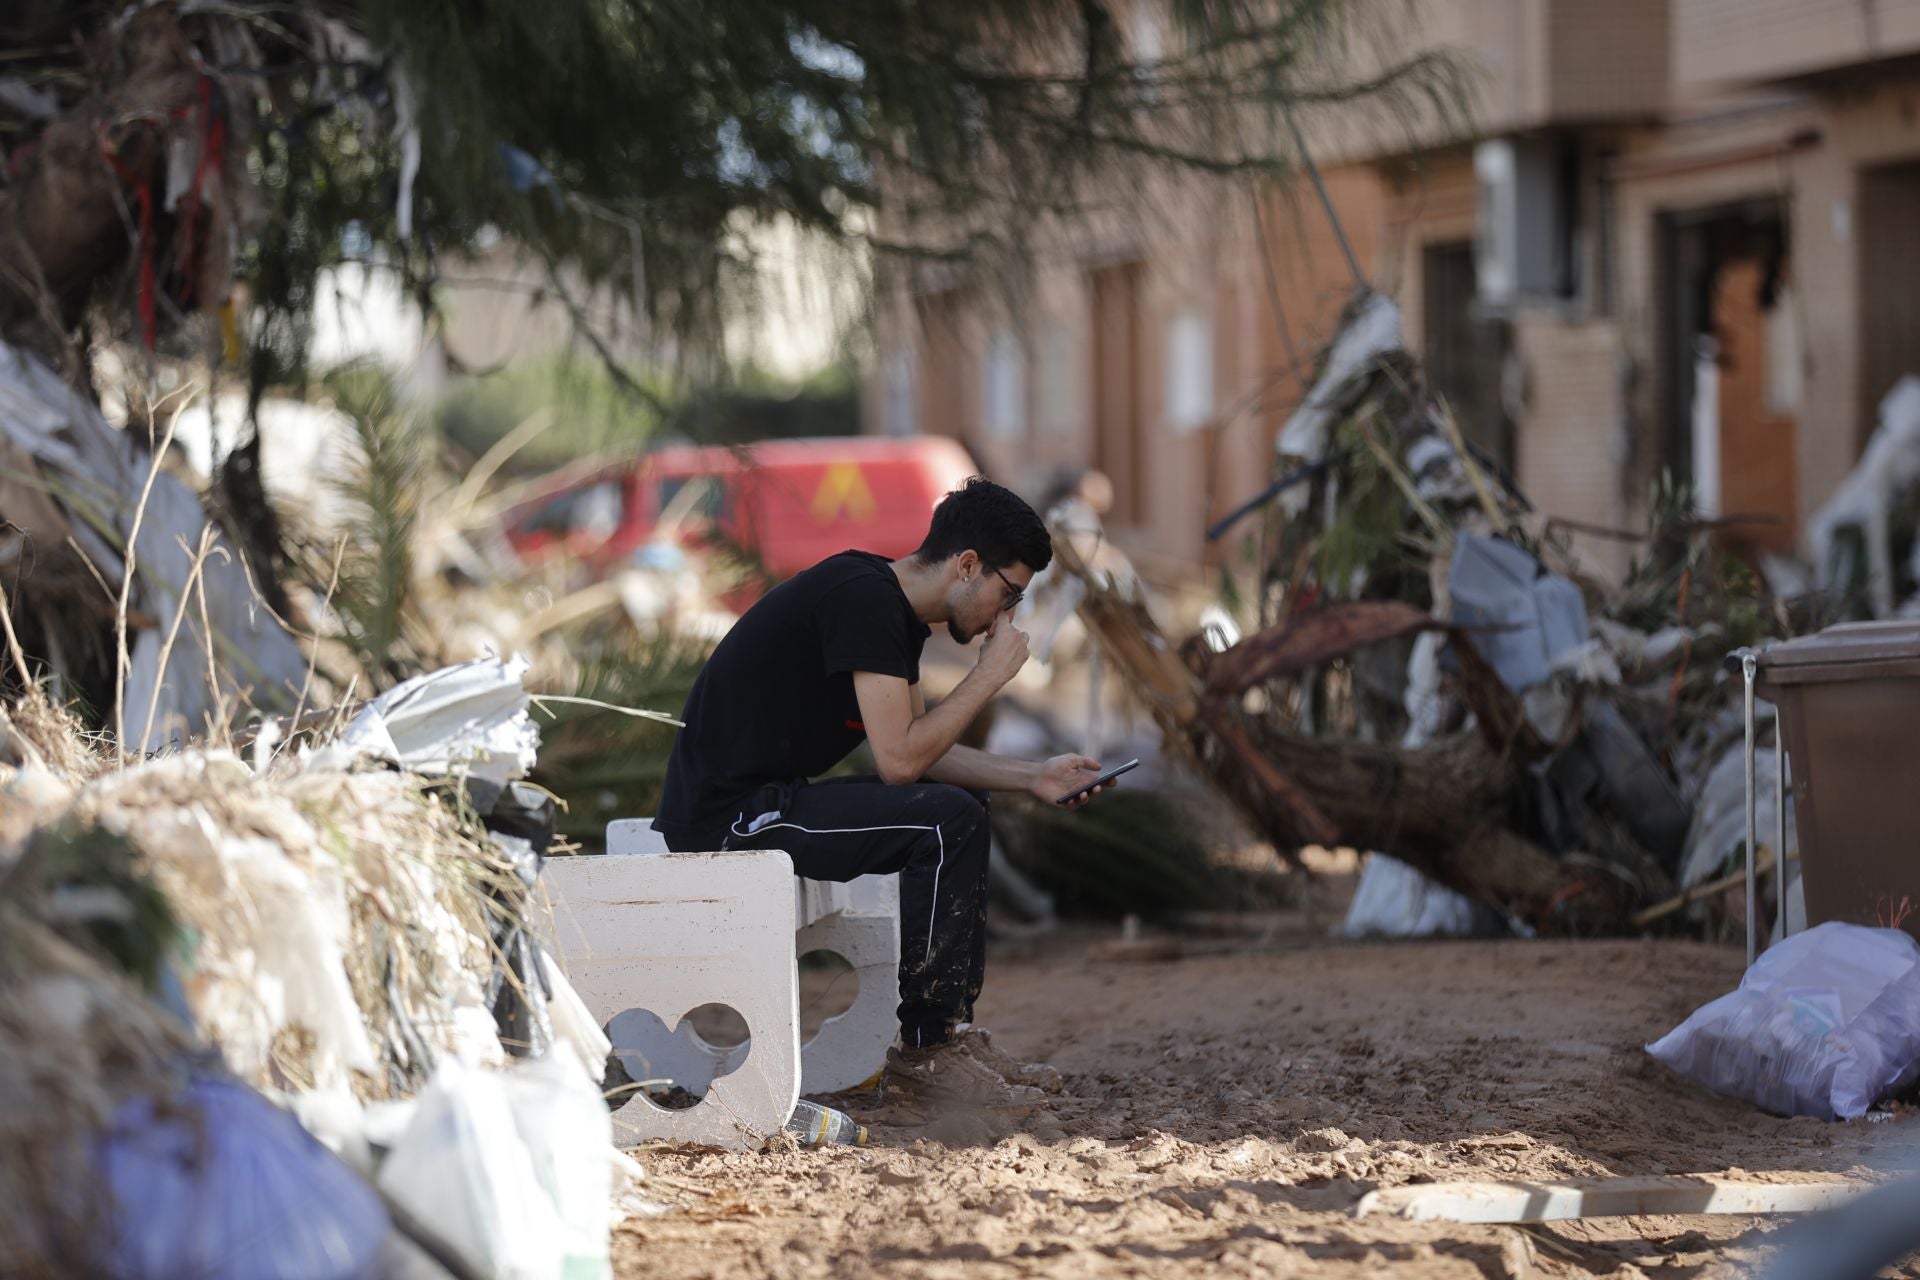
(1510, 1202)
(1763, 865)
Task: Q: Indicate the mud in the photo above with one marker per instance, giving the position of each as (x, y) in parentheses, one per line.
(1230, 1107)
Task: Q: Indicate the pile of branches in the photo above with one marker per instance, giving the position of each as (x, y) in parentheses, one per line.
(1365, 713)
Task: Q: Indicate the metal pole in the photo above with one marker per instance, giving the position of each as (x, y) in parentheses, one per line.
(1326, 202)
(1747, 667)
(1095, 729)
(1779, 828)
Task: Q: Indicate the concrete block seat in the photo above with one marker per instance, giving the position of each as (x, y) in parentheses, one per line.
(647, 936)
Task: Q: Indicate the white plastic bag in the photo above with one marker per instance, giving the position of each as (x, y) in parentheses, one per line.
(1393, 900)
(464, 1172)
(514, 1169)
(1824, 1024)
(568, 1134)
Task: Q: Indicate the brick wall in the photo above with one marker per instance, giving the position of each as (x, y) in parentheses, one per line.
(1569, 447)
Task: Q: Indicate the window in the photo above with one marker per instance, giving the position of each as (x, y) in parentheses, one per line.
(1003, 395)
(1529, 208)
(1467, 351)
(588, 512)
(707, 503)
(1057, 367)
(1189, 371)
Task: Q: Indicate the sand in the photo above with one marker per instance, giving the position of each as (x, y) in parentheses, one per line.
(1232, 1106)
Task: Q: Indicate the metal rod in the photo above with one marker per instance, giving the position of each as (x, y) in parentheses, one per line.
(1326, 202)
(1747, 667)
(1299, 475)
(1779, 829)
(1095, 730)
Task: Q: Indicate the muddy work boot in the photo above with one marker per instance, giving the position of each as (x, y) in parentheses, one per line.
(953, 1073)
(1037, 1074)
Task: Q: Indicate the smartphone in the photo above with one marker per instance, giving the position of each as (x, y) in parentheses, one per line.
(1100, 781)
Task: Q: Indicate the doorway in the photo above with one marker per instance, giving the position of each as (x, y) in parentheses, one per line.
(1732, 365)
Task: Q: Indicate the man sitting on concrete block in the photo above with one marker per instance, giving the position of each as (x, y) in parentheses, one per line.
(832, 657)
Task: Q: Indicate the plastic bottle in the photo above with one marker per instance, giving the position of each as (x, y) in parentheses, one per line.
(818, 1126)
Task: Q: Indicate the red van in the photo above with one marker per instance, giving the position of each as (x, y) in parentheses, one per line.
(790, 502)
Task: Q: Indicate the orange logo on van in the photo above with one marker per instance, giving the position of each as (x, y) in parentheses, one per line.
(843, 491)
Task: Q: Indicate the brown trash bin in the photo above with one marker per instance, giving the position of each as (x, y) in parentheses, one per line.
(1849, 705)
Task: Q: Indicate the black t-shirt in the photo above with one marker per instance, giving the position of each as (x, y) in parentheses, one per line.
(775, 702)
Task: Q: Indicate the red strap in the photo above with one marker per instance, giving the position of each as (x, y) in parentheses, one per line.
(213, 139)
(143, 200)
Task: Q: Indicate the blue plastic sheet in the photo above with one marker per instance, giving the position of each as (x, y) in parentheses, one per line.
(217, 1183)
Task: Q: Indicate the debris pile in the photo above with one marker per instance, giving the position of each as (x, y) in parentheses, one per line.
(134, 586)
(1854, 534)
(342, 928)
(1433, 677)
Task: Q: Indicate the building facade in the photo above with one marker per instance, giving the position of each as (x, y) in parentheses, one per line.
(1665, 237)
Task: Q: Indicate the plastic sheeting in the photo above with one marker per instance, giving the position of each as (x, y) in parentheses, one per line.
(513, 1169)
(216, 1183)
(1373, 332)
(468, 719)
(1719, 829)
(1394, 900)
(1889, 468)
(1517, 616)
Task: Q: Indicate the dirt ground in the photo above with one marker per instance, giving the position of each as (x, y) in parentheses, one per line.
(1231, 1106)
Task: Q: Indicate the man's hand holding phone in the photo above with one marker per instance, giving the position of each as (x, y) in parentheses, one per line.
(1072, 780)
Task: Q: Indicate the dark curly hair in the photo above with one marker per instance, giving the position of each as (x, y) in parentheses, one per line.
(990, 520)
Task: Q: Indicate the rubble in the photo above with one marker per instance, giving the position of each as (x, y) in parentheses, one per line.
(1553, 741)
(321, 924)
(1435, 807)
(1864, 505)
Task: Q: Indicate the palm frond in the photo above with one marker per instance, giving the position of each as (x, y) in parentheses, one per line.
(604, 764)
(383, 488)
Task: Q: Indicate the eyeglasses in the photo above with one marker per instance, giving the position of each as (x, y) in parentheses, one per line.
(1019, 593)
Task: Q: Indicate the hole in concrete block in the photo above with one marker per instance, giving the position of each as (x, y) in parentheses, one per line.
(829, 985)
(673, 1068)
(720, 1025)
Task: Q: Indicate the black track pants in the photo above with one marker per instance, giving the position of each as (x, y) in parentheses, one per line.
(934, 835)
